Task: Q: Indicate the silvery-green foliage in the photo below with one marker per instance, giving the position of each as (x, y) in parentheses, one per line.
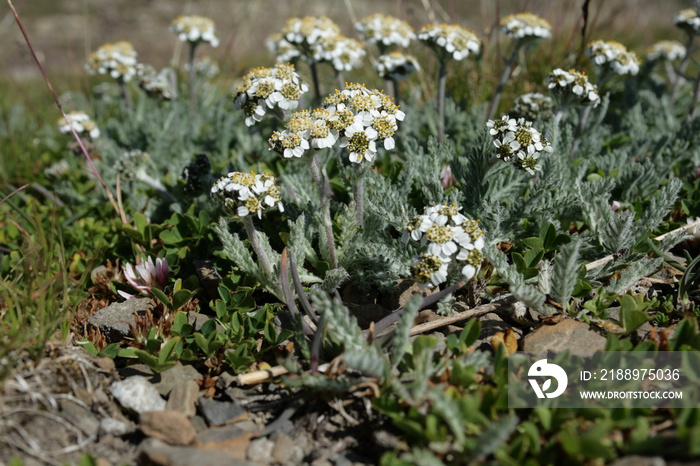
(448, 409)
(629, 276)
(545, 276)
(499, 262)
(235, 250)
(322, 383)
(566, 265)
(371, 363)
(494, 436)
(444, 306)
(422, 457)
(470, 171)
(531, 296)
(387, 200)
(342, 327)
(400, 339)
(334, 278)
(300, 241)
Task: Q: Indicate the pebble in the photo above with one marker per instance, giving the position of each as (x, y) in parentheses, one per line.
(113, 321)
(138, 394)
(569, 334)
(183, 398)
(260, 450)
(219, 412)
(170, 426)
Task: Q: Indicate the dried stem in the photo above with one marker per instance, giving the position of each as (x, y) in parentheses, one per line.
(119, 212)
(314, 78)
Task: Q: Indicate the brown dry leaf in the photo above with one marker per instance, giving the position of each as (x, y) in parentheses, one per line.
(508, 339)
(551, 320)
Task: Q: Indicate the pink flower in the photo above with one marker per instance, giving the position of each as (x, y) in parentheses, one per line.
(615, 205)
(145, 276)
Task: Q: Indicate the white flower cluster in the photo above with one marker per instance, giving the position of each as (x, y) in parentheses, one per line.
(340, 51)
(117, 60)
(396, 65)
(247, 193)
(451, 239)
(267, 88)
(358, 117)
(573, 84)
(532, 106)
(82, 124)
(517, 142)
(688, 20)
(385, 31)
(613, 55)
(195, 29)
(450, 40)
(300, 38)
(283, 50)
(524, 26)
(670, 50)
(156, 84)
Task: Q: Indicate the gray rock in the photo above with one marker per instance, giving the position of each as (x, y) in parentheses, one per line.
(569, 334)
(225, 433)
(80, 415)
(115, 427)
(260, 450)
(156, 452)
(636, 460)
(113, 321)
(138, 394)
(183, 398)
(170, 426)
(219, 412)
(286, 450)
(164, 382)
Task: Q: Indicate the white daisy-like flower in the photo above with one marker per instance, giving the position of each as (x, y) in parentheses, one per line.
(195, 29)
(117, 60)
(396, 65)
(289, 143)
(526, 26)
(614, 56)
(688, 20)
(573, 86)
(450, 41)
(503, 126)
(245, 194)
(452, 242)
(670, 50)
(282, 49)
(82, 124)
(385, 31)
(361, 141)
(267, 88)
(303, 34)
(521, 145)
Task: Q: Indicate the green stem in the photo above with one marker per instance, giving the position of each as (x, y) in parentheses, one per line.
(358, 190)
(502, 82)
(193, 75)
(314, 78)
(442, 81)
(263, 259)
(682, 67)
(125, 95)
(317, 174)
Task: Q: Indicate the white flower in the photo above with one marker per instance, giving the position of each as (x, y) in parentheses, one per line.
(533, 105)
(247, 193)
(195, 29)
(613, 55)
(670, 50)
(450, 41)
(396, 65)
(688, 20)
(117, 60)
(341, 52)
(146, 275)
(520, 144)
(429, 270)
(82, 124)
(360, 141)
(566, 83)
(385, 30)
(526, 26)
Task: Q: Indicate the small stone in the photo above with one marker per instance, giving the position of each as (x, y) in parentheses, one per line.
(113, 321)
(569, 334)
(260, 450)
(111, 426)
(183, 398)
(138, 394)
(286, 451)
(106, 364)
(164, 382)
(224, 433)
(170, 426)
(637, 460)
(219, 412)
(156, 452)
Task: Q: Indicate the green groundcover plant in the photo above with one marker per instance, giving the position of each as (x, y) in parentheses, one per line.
(273, 206)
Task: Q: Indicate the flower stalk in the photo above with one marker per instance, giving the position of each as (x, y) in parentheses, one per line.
(502, 82)
(317, 174)
(442, 82)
